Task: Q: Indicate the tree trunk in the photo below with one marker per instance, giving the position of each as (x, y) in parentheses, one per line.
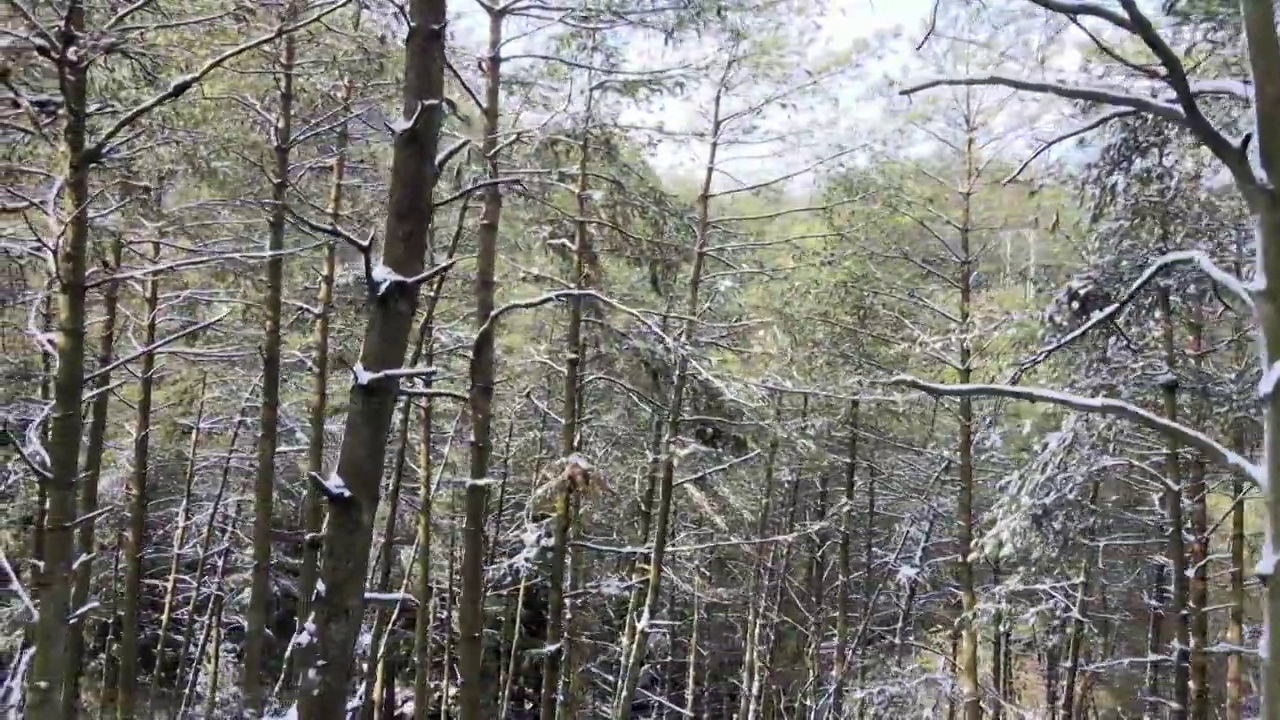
(53, 585)
(471, 619)
(312, 503)
(1173, 513)
(136, 538)
(574, 471)
(353, 489)
(629, 675)
(86, 544)
(967, 660)
(261, 589)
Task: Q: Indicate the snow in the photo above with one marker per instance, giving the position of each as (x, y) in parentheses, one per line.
(88, 607)
(363, 377)
(289, 714)
(307, 635)
(1267, 384)
(336, 487)
(383, 277)
(388, 597)
(404, 124)
(82, 558)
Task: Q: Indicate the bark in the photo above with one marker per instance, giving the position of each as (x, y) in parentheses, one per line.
(574, 348)
(86, 549)
(136, 538)
(1198, 554)
(471, 620)
(354, 487)
(260, 585)
(691, 678)
(312, 503)
(53, 581)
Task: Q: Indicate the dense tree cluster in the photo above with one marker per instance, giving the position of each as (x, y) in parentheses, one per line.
(373, 359)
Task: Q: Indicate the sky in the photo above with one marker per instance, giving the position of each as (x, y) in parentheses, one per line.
(840, 25)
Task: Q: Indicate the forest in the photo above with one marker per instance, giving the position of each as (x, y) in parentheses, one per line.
(639, 359)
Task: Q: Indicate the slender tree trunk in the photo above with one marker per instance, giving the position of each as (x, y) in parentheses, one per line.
(691, 677)
(843, 600)
(136, 538)
(574, 470)
(312, 503)
(424, 619)
(86, 545)
(471, 620)
(48, 671)
(260, 586)
(179, 541)
(1076, 642)
(354, 488)
(967, 660)
(755, 603)
(1173, 512)
(1198, 555)
(629, 676)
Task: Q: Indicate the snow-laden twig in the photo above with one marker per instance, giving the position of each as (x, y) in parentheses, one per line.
(403, 124)
(1101, 405)
(156, 346)
(16, 585)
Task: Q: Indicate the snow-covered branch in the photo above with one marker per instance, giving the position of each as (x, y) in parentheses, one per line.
(333, 488)
(1181, 257)
(1100, 405)
(364, 376)
(1105, 96)
(382, 277)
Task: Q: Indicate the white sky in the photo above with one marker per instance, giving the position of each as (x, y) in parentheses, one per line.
(850, 104)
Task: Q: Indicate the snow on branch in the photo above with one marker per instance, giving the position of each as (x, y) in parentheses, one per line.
(1180, 257)
(405, 124)
(381, 278)
(16, 586)
(333, 488)
(1077, 8)
(365, 376)
(1105, 96)
(1100, 405)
